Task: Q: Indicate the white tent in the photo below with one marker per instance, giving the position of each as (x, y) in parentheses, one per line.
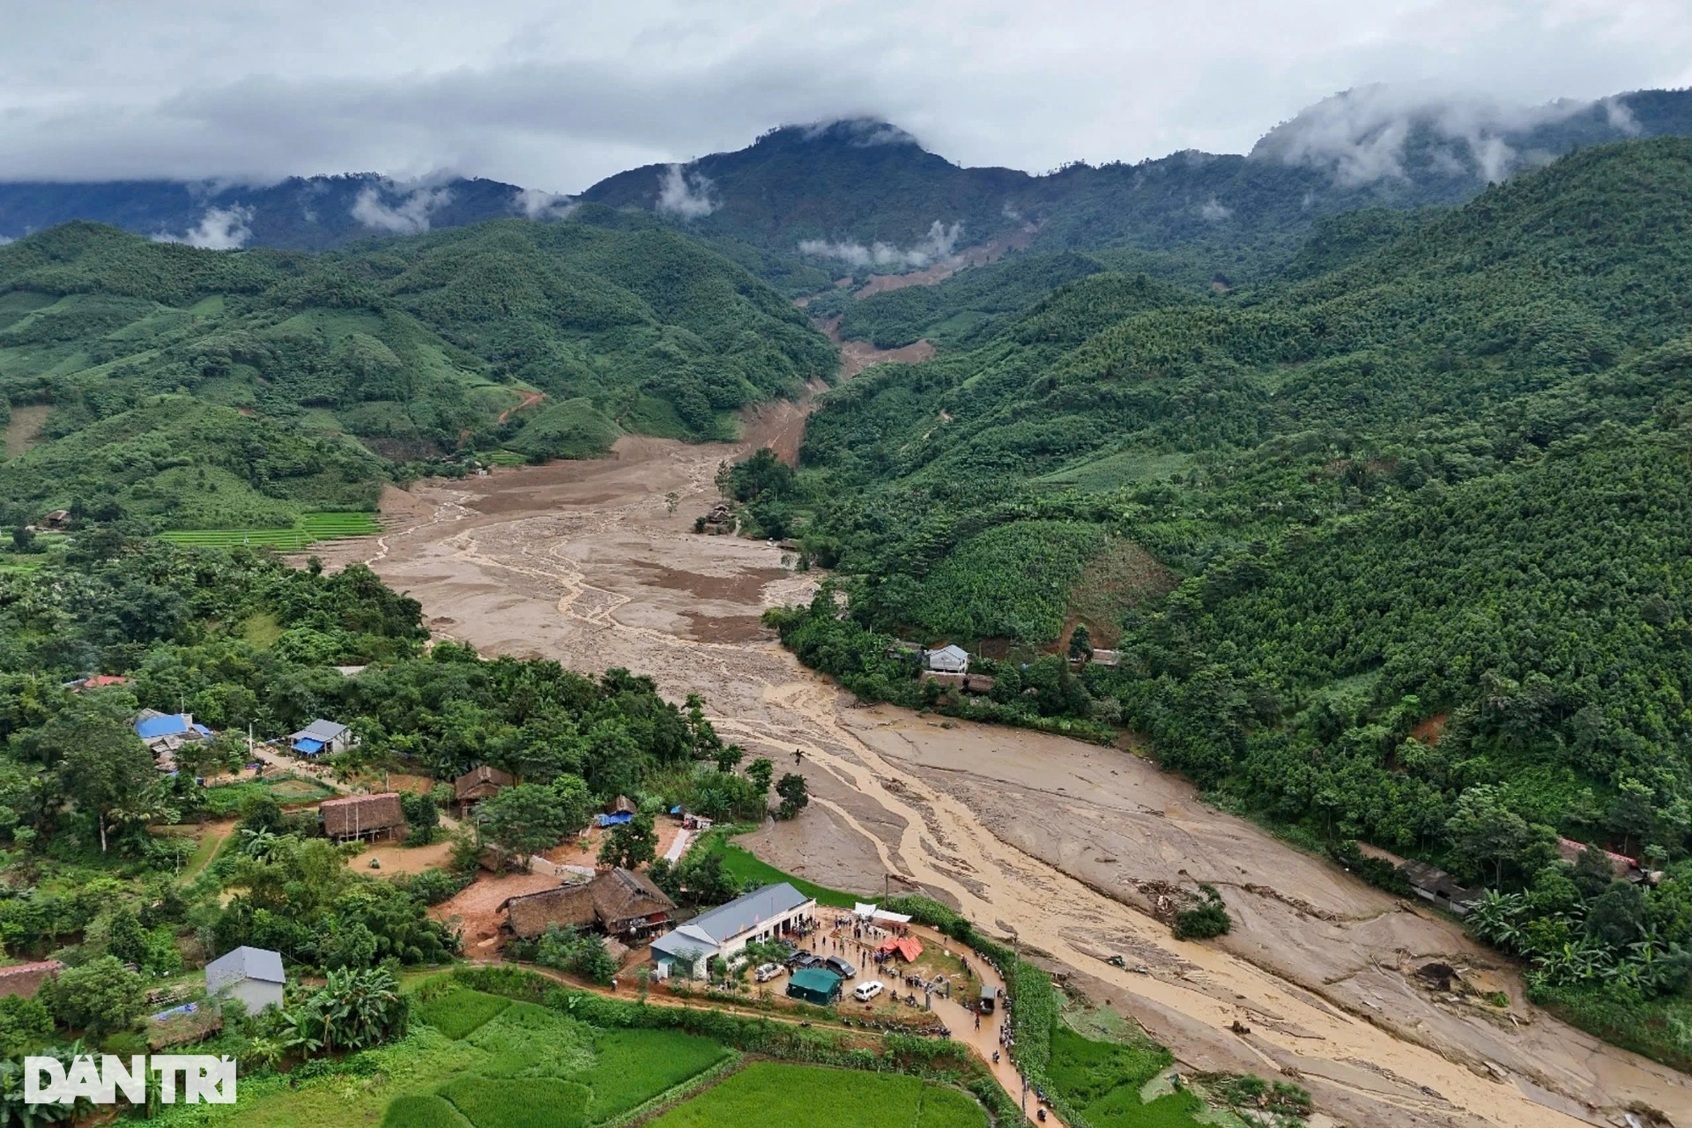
(871, 912)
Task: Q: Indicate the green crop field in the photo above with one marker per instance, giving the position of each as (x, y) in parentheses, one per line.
(311, 528)
(768, 1093)
(474, 1060)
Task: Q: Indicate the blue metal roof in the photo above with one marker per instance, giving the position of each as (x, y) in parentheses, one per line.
(171, 724)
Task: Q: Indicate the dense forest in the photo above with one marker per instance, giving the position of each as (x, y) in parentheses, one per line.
(209, 389)
(1393, 550)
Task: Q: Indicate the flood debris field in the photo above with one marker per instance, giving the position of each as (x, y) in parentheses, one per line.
(1065, 845)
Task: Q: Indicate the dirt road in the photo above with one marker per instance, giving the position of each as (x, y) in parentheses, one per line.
(582, 562)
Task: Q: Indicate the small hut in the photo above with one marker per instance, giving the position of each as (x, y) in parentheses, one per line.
(480, 782)
(362, 816)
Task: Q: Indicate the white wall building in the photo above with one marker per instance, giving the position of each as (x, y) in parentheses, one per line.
(764, 914)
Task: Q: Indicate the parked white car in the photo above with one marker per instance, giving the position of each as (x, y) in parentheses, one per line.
(766, 972)
(864, 992)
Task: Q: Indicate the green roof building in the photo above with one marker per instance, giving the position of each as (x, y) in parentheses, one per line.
(814, 985)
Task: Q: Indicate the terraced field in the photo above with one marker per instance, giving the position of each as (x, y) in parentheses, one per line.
(312, 527)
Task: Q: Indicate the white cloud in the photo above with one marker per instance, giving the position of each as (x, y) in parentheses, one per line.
(532, 203)
(4, 239)
(1214, 212)
(1360, 135)
(684, 194)
(409, 216)
(940, 243)
(219, 229)
(539, 94)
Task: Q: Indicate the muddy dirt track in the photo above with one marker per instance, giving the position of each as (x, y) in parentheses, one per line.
(583, 562)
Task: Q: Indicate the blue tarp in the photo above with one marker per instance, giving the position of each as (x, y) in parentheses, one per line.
(306, 747)
(615, 820)
(676, 810)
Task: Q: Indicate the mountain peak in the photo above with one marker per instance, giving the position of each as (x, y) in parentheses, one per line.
(855, 132)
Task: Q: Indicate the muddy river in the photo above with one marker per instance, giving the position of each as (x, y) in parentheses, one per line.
(1049, 840)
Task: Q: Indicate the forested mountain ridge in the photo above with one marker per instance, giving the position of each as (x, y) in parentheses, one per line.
(1398, 552)
(212, 389)
(865, 195)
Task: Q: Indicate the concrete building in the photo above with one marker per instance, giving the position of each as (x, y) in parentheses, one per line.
(253, 975)
(946, 660)
(774, 910)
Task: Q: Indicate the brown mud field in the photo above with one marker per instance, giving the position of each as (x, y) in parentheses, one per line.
(1065, 844)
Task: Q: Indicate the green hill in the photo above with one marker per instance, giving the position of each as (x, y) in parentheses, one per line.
(210, 389)
(1418, 566)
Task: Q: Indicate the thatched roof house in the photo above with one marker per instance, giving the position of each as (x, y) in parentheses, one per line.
(618, 902)
(479, 783)
(362, 816)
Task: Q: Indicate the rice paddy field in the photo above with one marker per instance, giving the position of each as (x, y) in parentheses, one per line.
(311, 528)
(772, 1093)
(474, 1060)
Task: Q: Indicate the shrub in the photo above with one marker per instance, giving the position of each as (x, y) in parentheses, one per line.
(1204, 921)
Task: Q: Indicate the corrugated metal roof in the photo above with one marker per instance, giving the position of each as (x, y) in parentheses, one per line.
(320, 729)
(244, 963)
(745, 914)
(168, 724)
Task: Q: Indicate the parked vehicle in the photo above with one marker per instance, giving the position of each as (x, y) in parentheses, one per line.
(864, 992)
(846, 970)
(803, 959)
(766, 972)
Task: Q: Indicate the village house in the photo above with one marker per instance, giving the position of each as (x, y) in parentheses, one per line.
(253, 975)
(322, 738)
(1621, 866)
(620, 903)
(946, 660)
(1433, 884)
(96, 681)
(362, 816)
(165, 734)
(480, 782)
(774, 910)
(25, 979)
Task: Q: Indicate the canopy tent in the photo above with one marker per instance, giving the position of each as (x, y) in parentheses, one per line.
(814, 985)
(871, 912)
(907, 948)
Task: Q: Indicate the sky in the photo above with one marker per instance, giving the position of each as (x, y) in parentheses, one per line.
(558, 95)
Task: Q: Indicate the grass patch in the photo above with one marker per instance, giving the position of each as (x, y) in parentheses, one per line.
(633, 1066)
(533, 1102)
(205, 849)
(745, 866)
(460, 1012)
(1103, 1077)
(768, 1093)
(261, 630)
